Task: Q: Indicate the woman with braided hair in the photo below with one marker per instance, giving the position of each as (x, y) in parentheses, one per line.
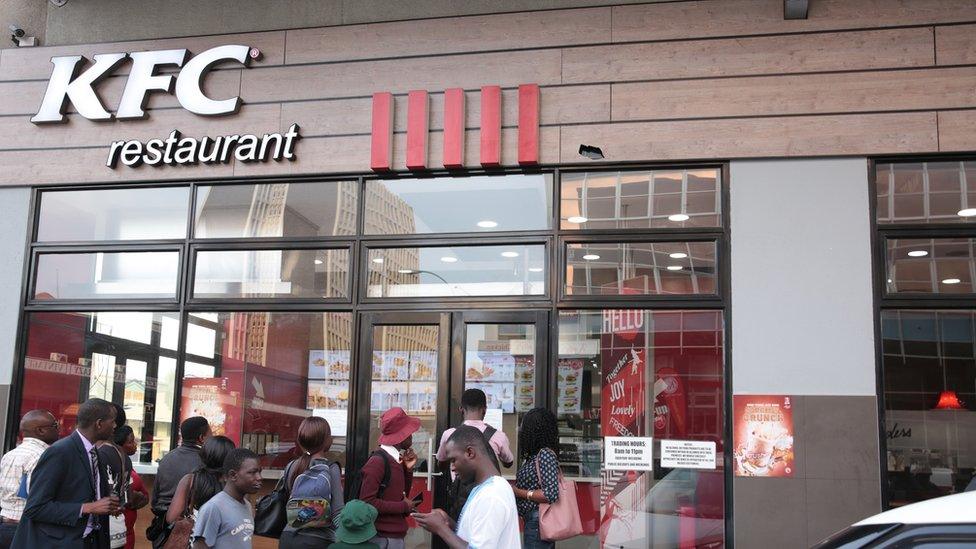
(537, 480)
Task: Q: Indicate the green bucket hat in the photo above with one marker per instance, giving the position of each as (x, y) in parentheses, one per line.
(356, 522)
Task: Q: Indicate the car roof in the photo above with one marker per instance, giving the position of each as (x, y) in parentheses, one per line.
(957, 508)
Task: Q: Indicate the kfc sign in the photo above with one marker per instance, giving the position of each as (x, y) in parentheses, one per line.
(69, 83)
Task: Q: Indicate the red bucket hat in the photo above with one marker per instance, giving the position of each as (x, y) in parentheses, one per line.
(396, 426)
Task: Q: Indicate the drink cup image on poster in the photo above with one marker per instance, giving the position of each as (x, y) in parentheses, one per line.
(763, 435)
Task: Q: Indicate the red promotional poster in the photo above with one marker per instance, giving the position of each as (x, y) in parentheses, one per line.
(218, 400)
(669, 405)
(624, 358)
(763, 431)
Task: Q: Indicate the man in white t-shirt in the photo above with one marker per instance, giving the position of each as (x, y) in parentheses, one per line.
(489, 519)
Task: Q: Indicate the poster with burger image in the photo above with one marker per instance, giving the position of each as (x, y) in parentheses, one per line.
(763, 435)
(570, 385)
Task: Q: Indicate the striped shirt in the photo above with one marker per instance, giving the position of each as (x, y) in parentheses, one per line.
(14, 465)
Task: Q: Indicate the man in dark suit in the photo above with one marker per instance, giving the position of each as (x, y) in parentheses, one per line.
(68, 501)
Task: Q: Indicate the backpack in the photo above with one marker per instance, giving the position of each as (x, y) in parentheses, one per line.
(459, 490)
(310, 501)
(354, 489)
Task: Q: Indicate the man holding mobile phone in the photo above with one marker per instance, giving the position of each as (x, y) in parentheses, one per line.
(489, 519)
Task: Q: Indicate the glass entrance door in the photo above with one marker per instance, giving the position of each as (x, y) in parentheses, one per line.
(423, 362)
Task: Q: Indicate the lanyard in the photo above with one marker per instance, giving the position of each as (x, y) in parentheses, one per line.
(470, 499)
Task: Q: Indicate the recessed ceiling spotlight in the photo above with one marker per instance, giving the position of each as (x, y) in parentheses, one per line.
(535, 269)
(968, 212)
(510, 254)
(318, 261)
(678, 217)
(405, 271)
(591, 257)
(678, 255)
(951, 281)
(487, 224)
(577, 219)
(674, 267)
(917, 253)
(378, 260)
(449, 259)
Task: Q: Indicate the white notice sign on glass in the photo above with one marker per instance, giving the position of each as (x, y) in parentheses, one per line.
(688, 454)
(493, 417)
(337, 420)
(628, 453)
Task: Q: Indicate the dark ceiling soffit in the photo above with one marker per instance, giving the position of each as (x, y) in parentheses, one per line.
(795, 9)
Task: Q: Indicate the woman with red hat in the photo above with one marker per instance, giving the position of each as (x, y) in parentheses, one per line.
(391, 501)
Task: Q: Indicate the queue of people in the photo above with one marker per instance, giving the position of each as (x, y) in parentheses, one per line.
(82, 492)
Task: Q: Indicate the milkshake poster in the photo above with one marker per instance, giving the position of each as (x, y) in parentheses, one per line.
(763, 434)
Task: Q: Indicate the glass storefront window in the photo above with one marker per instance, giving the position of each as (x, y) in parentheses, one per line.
(308, 273)
(926, 192)
(269, 371)
(117, 356)
(464, 204)
(113, 214)
(659, 199)
(642, 373)
(929, 362)
(640, 268)
(327, 208)
(106, 275)
(457, 271)
(930, 265)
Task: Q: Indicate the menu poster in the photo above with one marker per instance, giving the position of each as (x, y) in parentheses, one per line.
(422, 398)
(339, 363)
(570, 374)
(391, 365)
(389, 394)
(499, 395)
(330, 395)
(317, 365)
(763, 435)
(490, 366)
(524, 383)
(423, 365)
(217, 400)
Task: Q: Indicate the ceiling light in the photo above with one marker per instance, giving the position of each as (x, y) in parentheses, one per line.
(917, 253)
(449, 259)
(678, 217)
(405, 271)
(535, 269)
(674, 267)
(487, 224)
(591, 257)
(951, 281)
(577, 219)
(318, 261)
(377, 260)
(510, 254)
(968, 212)
(678, 255)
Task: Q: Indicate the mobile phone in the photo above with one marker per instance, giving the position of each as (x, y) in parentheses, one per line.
(418, 498)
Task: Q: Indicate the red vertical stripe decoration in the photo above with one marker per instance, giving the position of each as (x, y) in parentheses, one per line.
(528, 124)
(418, 117)
(454, 128)
(381, 140)
(491, 126)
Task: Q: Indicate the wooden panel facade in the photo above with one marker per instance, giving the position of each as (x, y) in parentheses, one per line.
(706, 79)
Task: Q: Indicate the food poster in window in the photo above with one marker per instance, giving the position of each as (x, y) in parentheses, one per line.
(524, 383)
(763, 435)
(570, 374)
(219, 399)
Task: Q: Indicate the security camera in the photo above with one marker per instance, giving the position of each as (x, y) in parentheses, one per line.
(17, 31)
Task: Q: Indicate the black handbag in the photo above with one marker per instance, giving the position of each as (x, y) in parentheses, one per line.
(270, 515)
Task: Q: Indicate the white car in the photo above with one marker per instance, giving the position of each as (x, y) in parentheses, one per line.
(948, 522)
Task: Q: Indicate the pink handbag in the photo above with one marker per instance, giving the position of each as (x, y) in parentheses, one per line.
(560, 520)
